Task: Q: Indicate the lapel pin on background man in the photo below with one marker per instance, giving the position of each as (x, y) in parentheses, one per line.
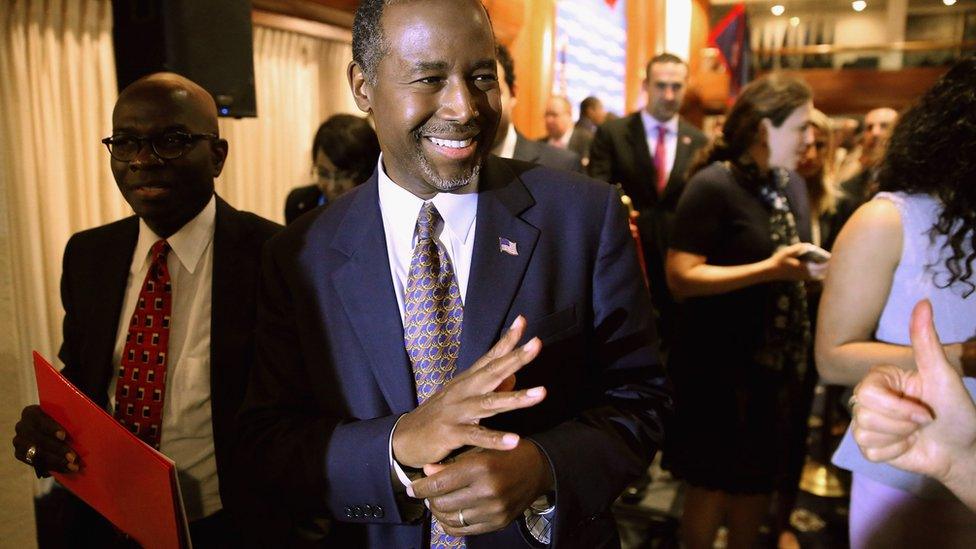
(390, 322)
(159, 310)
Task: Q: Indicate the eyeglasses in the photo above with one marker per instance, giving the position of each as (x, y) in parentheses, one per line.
(326, 174)
(167, 145)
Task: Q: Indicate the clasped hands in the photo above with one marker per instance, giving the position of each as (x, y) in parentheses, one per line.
(923, 420)
(501, 475)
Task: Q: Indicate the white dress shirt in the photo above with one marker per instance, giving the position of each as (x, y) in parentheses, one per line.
(670, 139)
(506, 148)
(399, 209)
(187, 436)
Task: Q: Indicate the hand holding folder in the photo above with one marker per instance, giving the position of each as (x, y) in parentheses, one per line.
(127, 481)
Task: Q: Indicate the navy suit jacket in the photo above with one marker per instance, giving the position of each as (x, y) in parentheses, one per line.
(332, 375)
(95, 271)
(545, 154)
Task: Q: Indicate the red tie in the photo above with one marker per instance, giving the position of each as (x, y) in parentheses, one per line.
(661, 160)
(142, 373)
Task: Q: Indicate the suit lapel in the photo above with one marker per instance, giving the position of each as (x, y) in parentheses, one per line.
(111, 273)
(495, 275)
(682, 156)
(637, 137)
(526, 150)
(231, 283)
(363, 284)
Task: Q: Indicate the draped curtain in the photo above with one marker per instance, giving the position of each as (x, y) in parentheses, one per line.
(57, 90)
(300, 82)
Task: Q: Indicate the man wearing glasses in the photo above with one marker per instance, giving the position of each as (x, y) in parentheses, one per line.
(159, 311)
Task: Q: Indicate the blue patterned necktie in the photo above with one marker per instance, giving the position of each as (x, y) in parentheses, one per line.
(432, 327)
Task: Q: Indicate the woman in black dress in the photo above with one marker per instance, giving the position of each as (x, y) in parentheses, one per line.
(743, 333)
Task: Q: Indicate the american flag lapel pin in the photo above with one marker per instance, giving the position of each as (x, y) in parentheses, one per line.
(507, 246)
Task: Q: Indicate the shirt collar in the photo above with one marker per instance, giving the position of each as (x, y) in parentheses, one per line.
(507, 147)
(400, 207)
(651, 124)
(188, 243)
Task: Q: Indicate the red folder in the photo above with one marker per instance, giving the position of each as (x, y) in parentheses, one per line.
(123, 478)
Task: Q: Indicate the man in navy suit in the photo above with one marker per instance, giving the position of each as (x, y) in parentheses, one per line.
(548, 393)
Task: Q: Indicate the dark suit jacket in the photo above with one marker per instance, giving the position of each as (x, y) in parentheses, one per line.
(619, 155)
(96, 268)
(545, 155)
(301, 200)
(579, 142)
(332, 375)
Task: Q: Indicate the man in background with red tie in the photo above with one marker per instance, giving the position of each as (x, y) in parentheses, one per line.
(462, 331)
(159, 313)
(647, 153)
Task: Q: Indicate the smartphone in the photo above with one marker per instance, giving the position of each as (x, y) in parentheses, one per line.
(814, 254)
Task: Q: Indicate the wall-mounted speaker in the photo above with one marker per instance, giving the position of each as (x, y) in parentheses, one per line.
(207, 41)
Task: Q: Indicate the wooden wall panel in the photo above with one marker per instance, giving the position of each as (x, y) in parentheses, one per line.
(856, 91)
(533, 50)
(644, 27)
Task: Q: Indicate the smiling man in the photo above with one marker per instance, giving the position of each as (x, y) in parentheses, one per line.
(159, 312)
(462, 330)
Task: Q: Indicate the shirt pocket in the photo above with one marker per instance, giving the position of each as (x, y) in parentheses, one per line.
(188, 398)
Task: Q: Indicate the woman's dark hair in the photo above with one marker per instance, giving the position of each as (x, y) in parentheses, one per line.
(932, 150)
(774, 97)
(350, 143)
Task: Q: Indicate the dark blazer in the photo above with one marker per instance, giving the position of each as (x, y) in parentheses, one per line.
(96, 268)
(619, 155)
(332, 375)
(546, 155)
(579, 142)
(301, 200)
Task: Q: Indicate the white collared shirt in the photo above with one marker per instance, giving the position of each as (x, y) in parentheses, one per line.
(670, 138)
(563, 141)
(187, 436)
(507, 147)
(400, 208)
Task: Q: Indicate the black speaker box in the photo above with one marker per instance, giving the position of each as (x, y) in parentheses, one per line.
(207, 41)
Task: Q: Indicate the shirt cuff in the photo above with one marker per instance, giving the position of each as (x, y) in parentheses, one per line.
(397, 470)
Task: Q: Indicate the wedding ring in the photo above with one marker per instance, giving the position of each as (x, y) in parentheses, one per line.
(852, 402)
(29, 456)
(461, 519)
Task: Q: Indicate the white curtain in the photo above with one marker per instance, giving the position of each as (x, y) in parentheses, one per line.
(57, 91)
(300, 82)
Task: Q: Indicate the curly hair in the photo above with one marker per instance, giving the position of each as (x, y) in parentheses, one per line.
(775, 97)
(368, 43)
(932, 150)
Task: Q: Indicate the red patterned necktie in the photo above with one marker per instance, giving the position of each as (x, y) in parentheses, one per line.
(142, 372)
(661, 160)
(432, 327)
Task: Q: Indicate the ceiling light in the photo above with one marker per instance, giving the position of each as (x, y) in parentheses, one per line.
(794, 21)
(949, 2)
(859, 5)
(777, 10)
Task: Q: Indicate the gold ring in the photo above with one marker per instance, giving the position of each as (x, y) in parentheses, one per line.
(461, 519)
(852, 402)
(29, 455)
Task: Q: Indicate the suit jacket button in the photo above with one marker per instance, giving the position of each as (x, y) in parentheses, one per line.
(378, 512)
(367, 510)
(348, 512)
(357, 511)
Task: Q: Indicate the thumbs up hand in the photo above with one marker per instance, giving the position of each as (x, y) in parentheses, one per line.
(922, 421)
